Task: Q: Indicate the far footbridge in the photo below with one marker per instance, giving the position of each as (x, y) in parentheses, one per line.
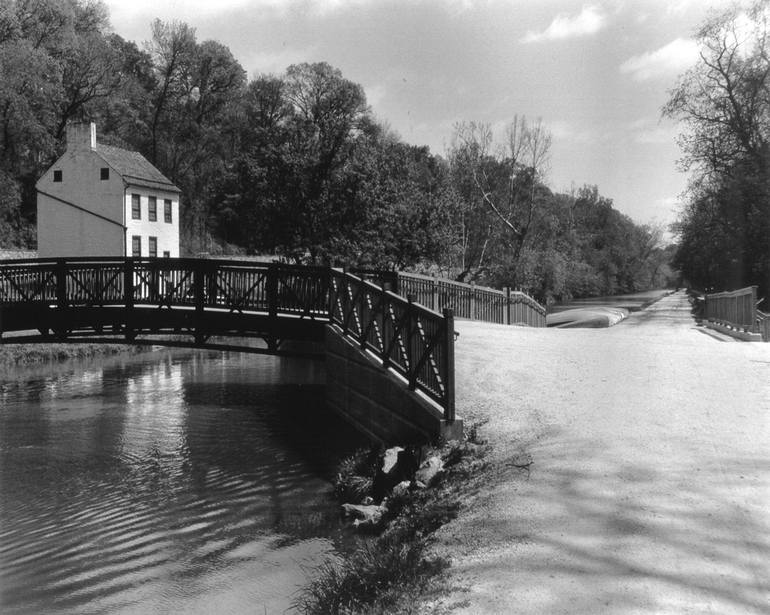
(386, 339)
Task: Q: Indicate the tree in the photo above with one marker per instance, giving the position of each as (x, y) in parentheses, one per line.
(197, 88)
(724, 104)
(171, 49)
(326, 115)
(506, 181)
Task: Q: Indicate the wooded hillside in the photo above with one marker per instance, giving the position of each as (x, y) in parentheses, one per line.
(297, 164)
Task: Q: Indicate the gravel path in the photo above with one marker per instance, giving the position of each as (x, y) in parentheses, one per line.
(649, 489)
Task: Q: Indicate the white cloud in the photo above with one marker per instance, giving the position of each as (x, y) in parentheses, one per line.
(266, 62)
(649, 131)
(192, 10)
(120, 9)
(375, 94)
(564, 131)
(675, 57)
(679, 8)
(654, 136)
(589, 21)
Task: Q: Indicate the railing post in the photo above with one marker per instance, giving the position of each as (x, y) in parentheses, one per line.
(507, 316)
(211, 284)
(272, 291)
(128, 297)
(754, 328)
(449, 365)
(366, 317)
(345, 301)
(434, 292)
(472, 306)
(332, 292)
(61, 284)
(199, 297)
(409, 334)
(385, 328)
(154, 294)
(272, 304)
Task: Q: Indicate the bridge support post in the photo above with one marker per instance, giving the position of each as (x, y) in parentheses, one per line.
(507, 316)
(61, 284)
(449, 362)
(128, 298)
(409, 327)
(59, 327)
(200, 302)
(385, 327)
(272, 304)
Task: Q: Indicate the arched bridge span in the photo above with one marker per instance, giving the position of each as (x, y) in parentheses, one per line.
(239, 305)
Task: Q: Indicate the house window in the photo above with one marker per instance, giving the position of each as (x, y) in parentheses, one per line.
(136, 209)
(57, 176)
(152, 206)
(166, 254)
(153, 246)
(136, 245)
(104, 173)
(167, 210)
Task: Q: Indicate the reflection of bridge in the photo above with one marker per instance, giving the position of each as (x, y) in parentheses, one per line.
(200, 303)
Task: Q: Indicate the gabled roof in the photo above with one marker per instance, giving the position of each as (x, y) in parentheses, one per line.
(134, 168)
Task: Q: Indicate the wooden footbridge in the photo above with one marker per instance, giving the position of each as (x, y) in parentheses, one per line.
(245, 306)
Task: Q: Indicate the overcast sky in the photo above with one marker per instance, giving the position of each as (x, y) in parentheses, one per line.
(597, 73)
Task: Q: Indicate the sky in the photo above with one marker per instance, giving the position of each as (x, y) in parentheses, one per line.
(595, 73)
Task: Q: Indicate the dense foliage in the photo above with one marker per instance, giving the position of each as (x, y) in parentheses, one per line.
(297, 165)
(724, 103)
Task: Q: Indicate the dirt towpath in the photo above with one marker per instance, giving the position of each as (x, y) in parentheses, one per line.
(649, 489)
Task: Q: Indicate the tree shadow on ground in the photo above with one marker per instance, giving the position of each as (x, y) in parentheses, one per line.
(583, 535)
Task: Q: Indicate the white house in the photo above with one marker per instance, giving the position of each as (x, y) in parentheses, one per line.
(98, 200)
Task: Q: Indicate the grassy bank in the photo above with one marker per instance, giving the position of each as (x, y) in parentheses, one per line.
(387, 569)
(29, 354)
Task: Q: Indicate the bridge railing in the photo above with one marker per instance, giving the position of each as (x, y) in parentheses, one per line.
(736, 309)
(409, 338)
(473, 302)
(167, 282)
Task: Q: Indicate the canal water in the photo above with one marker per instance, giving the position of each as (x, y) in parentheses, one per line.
(163, 483)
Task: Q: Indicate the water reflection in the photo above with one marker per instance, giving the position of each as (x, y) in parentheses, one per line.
(162, 484)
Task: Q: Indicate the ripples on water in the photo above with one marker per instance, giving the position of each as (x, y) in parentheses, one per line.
(162, 485)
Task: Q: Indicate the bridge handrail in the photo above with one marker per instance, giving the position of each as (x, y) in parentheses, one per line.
(469, 301)
(473, 302)
(414, 341)
(736, 308)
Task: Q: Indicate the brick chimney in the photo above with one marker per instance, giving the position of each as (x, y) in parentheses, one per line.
(81, 136)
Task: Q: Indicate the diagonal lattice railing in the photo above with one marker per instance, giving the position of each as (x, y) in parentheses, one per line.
(408, 338)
